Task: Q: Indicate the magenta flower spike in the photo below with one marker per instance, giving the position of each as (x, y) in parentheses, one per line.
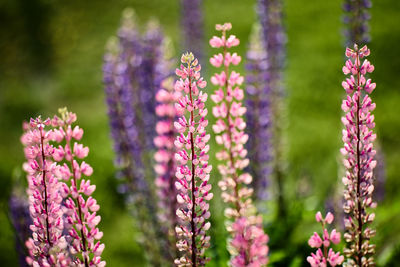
(359, 162)
(80, 207)
(47, 247)
(249, 242)
(193, 171)
(323, 256)
(166, 164)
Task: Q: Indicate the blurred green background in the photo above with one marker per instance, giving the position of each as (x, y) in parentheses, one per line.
(51, 56)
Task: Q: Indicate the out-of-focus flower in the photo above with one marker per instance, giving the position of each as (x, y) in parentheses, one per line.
(249, 242)
(133, 70)
(274, 39)
(356, 19)
(258, 115)
(192, 26)
(21, 220)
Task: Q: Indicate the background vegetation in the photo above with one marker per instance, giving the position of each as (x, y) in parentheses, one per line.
(51, 56)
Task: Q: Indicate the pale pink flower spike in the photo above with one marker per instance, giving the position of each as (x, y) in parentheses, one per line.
(80, 207)
(248, 244)
(47, 247)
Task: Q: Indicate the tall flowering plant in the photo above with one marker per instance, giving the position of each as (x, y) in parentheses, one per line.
(193, 172)
(248, 243)
(133, 70)
(358, 152)
(322, 257)
(259, 114)
(274, 38)
(80, 207)
(47, 246)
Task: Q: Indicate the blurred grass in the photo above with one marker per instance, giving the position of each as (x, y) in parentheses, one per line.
(51, 55)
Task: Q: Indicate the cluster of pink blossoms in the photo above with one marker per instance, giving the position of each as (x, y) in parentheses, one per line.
(249, 242)
(323, 256)
(79, 207)
(56, 206)
(47, 247)
(359, 162)
(165, 166)
(193, 172)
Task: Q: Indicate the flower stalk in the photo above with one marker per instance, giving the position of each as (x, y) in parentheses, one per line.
(358, 152)
(248, 240)
(80, 207)
(193, 171)
(47, 246)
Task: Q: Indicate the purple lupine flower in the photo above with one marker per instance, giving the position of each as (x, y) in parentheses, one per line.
(80, 207)
(356, 19)
(258, 115)
(151, 74)
(271, 16)
(322, 256)
(274, 39)
(47, 246)
(193, 172)
(21, 220)
(359, 162)
(248, 238)
(132, 75)
(192, 27)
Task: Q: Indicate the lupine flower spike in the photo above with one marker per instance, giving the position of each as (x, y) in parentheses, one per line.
(356, 19)
(359, 162)
(133, 71)
(193, 172)
(258, 115)
(274, 39)
(248, 243)
(47, 247)
(322, 257)
(165, 166)
(80, 207)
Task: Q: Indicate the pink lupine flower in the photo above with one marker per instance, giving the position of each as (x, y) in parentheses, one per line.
(47, 247)
(165, 166)
(317, 259)
(248, 238)
(322, 257)
(250, 243)
(334, 258)
(358, 154)
(193, 172)
(80, 207)
(315, 241)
